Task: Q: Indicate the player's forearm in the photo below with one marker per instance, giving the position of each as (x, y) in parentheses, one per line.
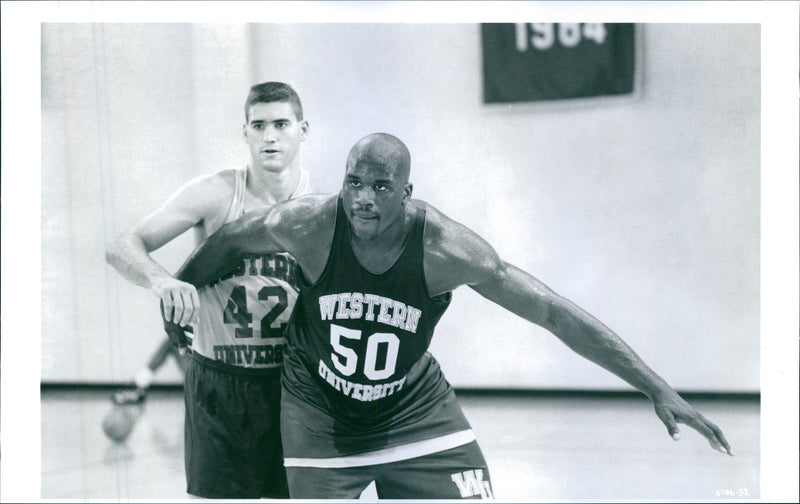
(591, 339)
(130, 258)
(528, 297)
(211, 260)
(221, 252)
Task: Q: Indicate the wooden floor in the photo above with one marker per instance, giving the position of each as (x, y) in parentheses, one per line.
(538, 448)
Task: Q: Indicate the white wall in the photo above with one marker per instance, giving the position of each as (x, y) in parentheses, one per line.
(129, 113)
(644, 210)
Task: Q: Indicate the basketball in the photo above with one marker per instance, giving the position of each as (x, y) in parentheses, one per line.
(118, 424)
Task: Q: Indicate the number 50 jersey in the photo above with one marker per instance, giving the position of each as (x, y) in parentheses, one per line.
(243, 315)
(358, 376)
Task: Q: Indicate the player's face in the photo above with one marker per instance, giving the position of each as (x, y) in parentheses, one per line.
(373, 195)
(273, 134)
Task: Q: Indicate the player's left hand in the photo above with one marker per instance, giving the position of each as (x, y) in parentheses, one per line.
(672, 410)
(176, 332)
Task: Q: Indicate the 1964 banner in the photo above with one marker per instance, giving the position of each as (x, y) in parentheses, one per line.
(555, 61)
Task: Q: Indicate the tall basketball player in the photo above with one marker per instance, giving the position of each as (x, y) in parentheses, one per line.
(363, 400)
(232, 383)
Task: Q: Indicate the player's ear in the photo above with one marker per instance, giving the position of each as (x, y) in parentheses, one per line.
(304, 128)
(408, 189)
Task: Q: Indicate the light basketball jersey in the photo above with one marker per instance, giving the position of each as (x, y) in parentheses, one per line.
(243, 315)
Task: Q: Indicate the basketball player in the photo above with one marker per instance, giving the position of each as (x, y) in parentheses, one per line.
(232, 384)
(363, 400)
(137, 391)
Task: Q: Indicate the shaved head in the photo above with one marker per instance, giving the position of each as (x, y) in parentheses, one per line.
(382, 149)
(376, 187)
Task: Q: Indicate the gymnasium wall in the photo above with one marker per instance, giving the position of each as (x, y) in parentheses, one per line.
(643, 209)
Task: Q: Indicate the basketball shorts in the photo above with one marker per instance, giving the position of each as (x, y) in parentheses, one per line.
(457, 473)
(232, 435)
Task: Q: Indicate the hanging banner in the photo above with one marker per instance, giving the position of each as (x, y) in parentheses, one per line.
(556, 61)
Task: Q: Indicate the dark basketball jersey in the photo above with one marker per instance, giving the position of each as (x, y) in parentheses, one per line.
(358, 377)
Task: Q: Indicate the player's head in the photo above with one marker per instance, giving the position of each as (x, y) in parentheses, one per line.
(376, 186)
(274, 127)
(269, 92)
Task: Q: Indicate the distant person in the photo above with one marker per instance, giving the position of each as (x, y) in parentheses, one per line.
(363, 400)
(232, 384)
(137, 391)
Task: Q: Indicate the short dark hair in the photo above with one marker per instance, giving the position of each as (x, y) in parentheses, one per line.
(268, 92)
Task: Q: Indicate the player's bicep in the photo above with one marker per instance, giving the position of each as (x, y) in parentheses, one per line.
(159, 228)
(186, 208)
(517, 291)
(455, 256)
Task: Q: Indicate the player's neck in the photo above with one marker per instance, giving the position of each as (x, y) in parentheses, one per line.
(272, 186)
(379, 253)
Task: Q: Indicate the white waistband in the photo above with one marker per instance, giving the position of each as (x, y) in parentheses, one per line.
(387, 455)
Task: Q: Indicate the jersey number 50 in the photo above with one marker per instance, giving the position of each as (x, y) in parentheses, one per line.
(346, 359)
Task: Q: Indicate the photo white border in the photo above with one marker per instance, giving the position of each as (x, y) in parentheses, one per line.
(20, 426)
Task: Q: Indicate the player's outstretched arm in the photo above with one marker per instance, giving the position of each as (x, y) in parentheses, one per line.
(458, 256)
(526, 296)
(218, 254)
(302, 227)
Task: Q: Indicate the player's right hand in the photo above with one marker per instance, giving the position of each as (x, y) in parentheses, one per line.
(179, 300)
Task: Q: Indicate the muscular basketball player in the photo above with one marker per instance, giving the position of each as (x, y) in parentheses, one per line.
(363, 400)
(232, 384)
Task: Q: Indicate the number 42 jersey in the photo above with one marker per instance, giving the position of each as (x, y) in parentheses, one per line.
(243, 315)
(358, 377)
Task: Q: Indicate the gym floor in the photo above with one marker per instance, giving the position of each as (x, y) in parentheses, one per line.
(538, 447)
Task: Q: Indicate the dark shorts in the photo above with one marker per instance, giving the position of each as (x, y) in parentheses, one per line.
(232, 435)
(457, 473)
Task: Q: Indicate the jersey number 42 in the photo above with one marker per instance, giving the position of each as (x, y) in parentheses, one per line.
(236, 312)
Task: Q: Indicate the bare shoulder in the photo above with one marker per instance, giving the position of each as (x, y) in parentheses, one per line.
(451, 239)
(208, 191)
(305, 221)
(308, 205)
(313, 210)
(454, 254)
(304, 227)
(216, 180)
(221, 184)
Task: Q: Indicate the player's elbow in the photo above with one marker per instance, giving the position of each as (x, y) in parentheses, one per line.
(123, 246)
(110, 258)
(113, 253)
(554, 317)
(571, 325)
(557, 315)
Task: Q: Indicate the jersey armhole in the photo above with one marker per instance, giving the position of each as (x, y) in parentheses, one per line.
(445, 297)
(328, 261)
(236, 207)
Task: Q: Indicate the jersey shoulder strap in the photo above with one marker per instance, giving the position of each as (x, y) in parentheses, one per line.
(304, 185)
(340, 236)
(239, 191)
